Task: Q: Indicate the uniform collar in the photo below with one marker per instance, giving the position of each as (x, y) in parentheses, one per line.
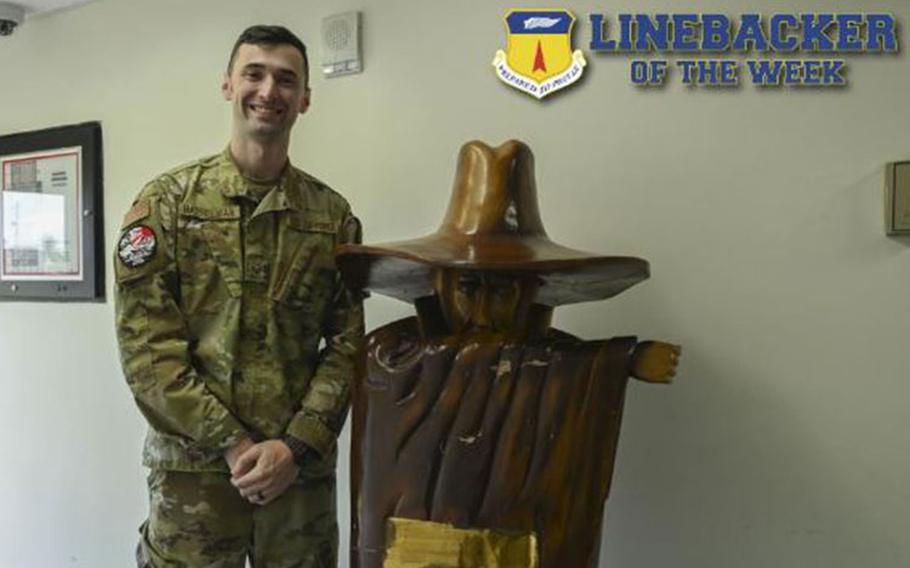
(285, 193)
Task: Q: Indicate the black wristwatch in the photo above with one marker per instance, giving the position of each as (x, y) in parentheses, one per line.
(298, 448)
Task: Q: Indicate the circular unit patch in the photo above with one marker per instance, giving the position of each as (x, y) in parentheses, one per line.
(137, 246)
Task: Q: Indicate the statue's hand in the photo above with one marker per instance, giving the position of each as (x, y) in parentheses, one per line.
(655, 361)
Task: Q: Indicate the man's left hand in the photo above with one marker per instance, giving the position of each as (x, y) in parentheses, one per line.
(264, 471)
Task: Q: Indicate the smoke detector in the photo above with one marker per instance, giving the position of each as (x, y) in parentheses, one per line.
(11, 16)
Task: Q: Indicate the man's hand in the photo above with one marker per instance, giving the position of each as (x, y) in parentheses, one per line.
(237, 450)
(655, 361)
(264, 471)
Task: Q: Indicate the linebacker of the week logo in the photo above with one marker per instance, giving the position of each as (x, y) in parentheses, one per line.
(539, 59)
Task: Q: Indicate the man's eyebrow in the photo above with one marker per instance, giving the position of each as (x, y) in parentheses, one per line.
(290, 72)
(262, 67)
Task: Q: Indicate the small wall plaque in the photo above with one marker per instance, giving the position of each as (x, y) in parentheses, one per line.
(51, 225)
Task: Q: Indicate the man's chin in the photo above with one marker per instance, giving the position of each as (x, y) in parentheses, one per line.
(266, 131)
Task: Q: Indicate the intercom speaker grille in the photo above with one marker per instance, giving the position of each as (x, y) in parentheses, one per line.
(337, 34)
(341, 44)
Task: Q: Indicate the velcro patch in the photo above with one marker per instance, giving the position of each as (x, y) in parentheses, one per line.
(137, 246)
(138, 212)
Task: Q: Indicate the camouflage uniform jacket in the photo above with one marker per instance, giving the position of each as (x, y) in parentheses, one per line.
(224, 290)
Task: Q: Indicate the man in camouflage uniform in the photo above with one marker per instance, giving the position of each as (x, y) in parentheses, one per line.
(225, 288)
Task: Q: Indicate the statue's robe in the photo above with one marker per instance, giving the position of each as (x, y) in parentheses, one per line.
(516, 438)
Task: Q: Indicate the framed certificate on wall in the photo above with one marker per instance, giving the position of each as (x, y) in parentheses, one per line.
(51, 222)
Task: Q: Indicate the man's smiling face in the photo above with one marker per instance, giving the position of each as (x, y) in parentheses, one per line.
(267, 86)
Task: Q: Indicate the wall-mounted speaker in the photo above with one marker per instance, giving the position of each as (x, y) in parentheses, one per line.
(341, 44)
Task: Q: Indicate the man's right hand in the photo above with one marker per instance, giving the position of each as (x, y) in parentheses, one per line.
(265, 471)
(234, 452)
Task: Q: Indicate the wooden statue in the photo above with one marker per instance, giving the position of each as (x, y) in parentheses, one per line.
(481, 436)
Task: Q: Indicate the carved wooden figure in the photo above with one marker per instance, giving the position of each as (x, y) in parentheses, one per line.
(481, 436)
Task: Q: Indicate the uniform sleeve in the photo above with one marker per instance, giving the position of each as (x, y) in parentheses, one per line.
(152, 333)
(325, 404)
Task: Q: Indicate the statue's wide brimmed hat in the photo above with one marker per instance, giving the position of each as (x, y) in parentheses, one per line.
(493, 224)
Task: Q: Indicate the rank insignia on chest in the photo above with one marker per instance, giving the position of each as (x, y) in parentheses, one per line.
(137, 246)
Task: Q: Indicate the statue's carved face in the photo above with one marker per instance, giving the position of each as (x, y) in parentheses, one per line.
(485, 303)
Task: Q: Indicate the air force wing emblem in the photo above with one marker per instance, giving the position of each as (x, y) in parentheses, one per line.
(539, 59)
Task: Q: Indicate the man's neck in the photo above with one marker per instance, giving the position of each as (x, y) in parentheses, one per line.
(260, 160)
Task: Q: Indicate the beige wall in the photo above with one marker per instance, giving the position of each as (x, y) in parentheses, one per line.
(784, 441)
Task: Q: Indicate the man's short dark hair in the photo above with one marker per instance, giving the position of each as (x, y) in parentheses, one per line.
(270, 35)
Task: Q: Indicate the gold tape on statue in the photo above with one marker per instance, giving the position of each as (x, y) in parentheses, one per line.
(423, 544)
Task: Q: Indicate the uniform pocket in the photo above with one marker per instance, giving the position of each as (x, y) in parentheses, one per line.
(306, 272)
(301, 287)
(210, 254)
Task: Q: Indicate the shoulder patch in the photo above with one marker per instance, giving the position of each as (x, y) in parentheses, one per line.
(137, 246)
(138, 212)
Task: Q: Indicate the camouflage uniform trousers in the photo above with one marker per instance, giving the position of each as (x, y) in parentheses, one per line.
(199, 520)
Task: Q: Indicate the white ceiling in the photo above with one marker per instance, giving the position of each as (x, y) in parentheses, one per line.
(33, 7)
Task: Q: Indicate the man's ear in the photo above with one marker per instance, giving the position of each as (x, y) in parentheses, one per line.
(227, 90)
(305, 101)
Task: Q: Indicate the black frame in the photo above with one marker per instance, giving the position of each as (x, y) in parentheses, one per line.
(91, 287)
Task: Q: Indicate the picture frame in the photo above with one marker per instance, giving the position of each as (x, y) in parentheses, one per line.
(52, 215)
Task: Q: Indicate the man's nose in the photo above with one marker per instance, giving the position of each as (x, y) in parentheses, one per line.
(268, 87)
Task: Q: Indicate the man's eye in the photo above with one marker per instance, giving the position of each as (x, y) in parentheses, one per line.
(252, 76)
